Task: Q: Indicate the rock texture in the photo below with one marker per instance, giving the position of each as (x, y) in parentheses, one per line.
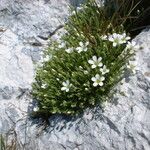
(124, 124)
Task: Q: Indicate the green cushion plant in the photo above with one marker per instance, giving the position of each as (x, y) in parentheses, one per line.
(81, 69)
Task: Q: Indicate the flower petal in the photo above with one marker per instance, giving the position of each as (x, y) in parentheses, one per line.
(94, 58)
(67, 89)
(102, 78)
(101, 84)
(93, 79)
(111, 39)
(90, 61)
(93, 66)
(100, 64)
(67, 82)
(114, 44)
(87, 43)
(64, 84)
(81, 44)
(95, 84)
(85, 49)
(97, 76)
(99, 59)
(104, 67)
(63, 88)
(69, 50)
(107, 70)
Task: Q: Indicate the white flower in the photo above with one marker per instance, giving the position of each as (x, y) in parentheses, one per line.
(86, 72)
(115, 39)
(79, 49)
(82, 47)
(62, 45)
(118, 39)
(87, 43)
(47, 58)
(104, 37)
(98, 80)
(104, 70)
(131, 66)
(69, 50)
(95, 62)
(66, 86)
(132, 46)
(79, 8)
(35, 109)
(99, 3)
(124, 38)
(43, 86)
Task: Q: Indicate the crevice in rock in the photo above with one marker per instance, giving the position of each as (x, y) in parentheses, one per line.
(144, 136)
(50, 34)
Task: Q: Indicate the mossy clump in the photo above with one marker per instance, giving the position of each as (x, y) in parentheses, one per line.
(80, 69)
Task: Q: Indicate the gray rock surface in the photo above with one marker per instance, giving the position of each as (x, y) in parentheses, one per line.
(124, 124)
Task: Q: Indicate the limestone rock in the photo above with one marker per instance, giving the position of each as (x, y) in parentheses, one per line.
(124, 124)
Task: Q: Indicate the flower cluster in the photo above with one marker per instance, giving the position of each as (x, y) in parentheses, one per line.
(97, 62)
(98, 79)
(116, 39)
(131, 47)
(83, 47)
